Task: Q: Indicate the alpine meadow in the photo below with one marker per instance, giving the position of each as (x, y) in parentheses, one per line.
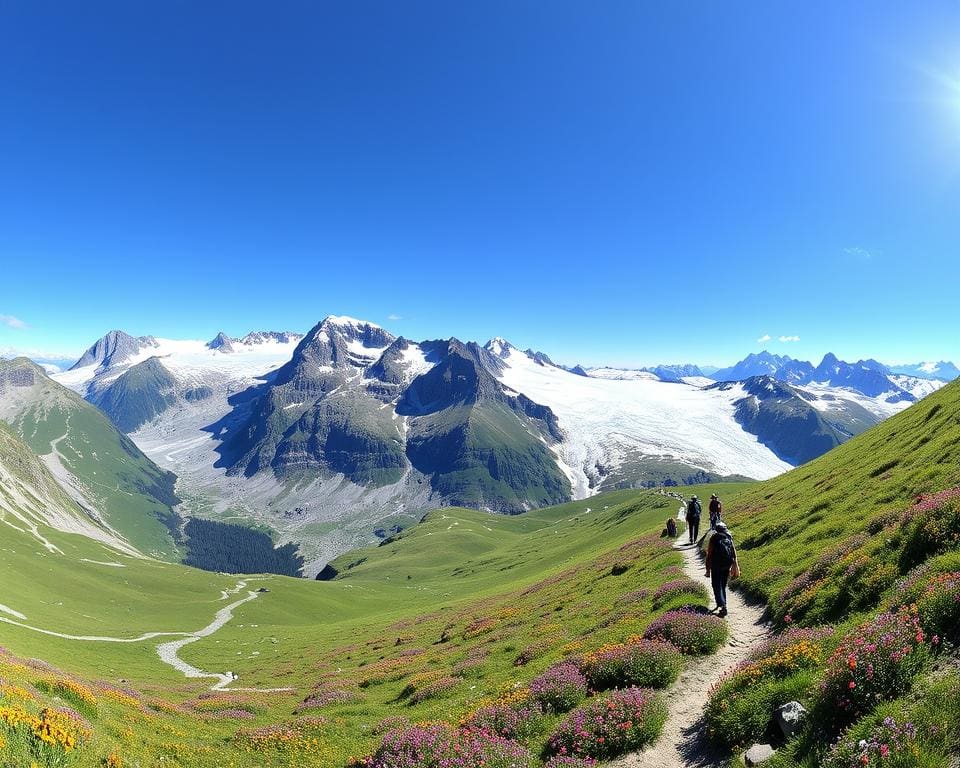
(505, 385)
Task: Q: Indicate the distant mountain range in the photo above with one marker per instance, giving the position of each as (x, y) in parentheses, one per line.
(331, 436)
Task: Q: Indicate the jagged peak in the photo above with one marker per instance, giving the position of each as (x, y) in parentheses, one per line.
(346, 321)
(113, 347)
(221, 342)
(499, 346)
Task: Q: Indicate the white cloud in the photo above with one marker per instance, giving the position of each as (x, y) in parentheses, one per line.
(12, 322)
(859, 253)
(394, 317)
(764, 339)
(35, 353)
(786, 339)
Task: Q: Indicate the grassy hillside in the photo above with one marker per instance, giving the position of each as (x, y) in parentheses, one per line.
(106, 470)
(843, 520)
(857, 555)
(453, 612)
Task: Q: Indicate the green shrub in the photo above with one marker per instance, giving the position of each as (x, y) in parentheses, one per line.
(939, 607)
(692, 631)
(644, 663)
(737, 715)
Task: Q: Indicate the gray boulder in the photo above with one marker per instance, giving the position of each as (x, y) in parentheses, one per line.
(758, 753)
(790, 717)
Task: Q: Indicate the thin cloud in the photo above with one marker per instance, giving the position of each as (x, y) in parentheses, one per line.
(788, 339)
(394, 317)
(12, 322)
(764, 339)
(859, 253)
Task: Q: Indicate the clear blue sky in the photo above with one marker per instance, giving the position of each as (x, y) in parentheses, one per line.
(618, 182)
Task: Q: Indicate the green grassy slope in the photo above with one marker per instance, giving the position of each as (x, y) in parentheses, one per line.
(481, 602)
(131, 492)
(857, 554)
(787, 525)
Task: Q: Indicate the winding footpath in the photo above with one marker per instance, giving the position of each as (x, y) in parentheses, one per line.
(684, 742)
(168, 652)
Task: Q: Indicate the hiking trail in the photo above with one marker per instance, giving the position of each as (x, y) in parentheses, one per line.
(684, 742)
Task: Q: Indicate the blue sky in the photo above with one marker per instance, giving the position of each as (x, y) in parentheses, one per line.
(619, 182)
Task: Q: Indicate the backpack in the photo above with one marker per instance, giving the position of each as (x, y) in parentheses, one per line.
(693, 509)
(723, 554)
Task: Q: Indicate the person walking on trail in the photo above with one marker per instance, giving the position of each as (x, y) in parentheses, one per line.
(716, 510)
(693, 518)
(721, 562)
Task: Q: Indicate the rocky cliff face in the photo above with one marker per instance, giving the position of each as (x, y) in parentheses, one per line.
(356, 401)
(138, 395)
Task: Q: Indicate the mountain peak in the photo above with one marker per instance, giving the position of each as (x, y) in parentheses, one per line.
(498, 346)
(221, 342)
(114, 348)
(343, 321)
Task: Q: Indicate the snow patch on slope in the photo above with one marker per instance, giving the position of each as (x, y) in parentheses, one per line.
(607, 421)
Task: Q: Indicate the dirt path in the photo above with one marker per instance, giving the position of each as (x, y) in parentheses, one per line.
(683, 743)
(168, 652)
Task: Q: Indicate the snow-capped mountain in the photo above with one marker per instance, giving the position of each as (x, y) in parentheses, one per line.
(869, 378)
(781, 367)
(328, 436)
(943, 370)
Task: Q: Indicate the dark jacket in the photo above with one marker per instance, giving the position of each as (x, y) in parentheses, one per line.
(708, 558)
(716, 510)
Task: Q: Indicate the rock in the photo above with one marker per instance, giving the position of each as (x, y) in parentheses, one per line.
(790, 717)
(758, 753)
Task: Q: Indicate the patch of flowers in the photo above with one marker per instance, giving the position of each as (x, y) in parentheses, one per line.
(875, 662)
(433, 689)
(327, 697)
(384, 671)
(886, 745)
(70, 690)
(51, 734)
(682, 587)
(565, 761)
(690, 630)
(939, 606)
(740, 705)
(296, 738)
(933, 524)
(635, 596)
(479, 627)
(609, 725)
(439, 745)
(636, 662)
(560, 688)
(532, 652)
(513, 717)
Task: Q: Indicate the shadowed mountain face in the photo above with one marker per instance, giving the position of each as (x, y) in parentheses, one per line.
(356, 401)
(784, 419)
(100, 469)
(138, 395)
(113, 349)
(481, 446)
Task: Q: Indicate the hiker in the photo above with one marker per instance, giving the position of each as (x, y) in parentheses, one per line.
(693, 518)
(721, 562)
(716, 510)
(671, 527)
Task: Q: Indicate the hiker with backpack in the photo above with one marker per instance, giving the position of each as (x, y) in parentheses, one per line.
(716, 510)
(693, 518)
(721, 563)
